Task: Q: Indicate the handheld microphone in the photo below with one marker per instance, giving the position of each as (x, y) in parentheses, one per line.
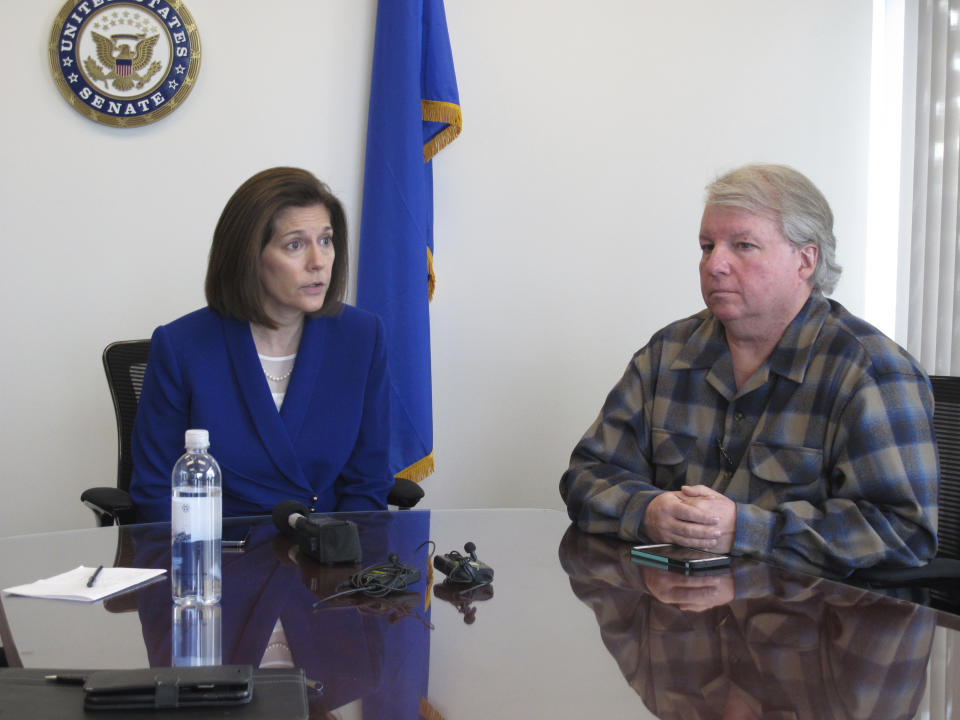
(290, 516)
(326, 540)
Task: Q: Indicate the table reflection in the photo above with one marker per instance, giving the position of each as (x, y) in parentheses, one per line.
(196, 631)
(751, 641)
(352, 648)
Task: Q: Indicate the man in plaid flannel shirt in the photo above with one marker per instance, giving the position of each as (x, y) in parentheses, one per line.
(772, 424)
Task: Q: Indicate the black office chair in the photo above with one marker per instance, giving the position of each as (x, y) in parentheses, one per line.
(125, 363)
(942, 574)
(946, 422)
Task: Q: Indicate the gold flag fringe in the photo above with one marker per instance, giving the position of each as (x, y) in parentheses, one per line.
(428, 711)
(419, 471)
(444, 112)
(449, 113)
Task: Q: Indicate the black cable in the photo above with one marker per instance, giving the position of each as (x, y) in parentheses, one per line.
(465, 573)
(464, 569)
(381, 579)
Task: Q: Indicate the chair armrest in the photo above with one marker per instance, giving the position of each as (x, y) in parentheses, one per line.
(114, 506)
(937, 571)
(111, 505)
(405, 494)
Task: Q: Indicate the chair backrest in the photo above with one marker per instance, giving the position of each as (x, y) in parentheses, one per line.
(125, 363)
(946, 423)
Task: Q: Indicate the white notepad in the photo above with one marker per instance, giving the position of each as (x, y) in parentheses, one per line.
(72, 585)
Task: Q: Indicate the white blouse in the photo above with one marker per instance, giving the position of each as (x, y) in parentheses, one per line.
(277, 371)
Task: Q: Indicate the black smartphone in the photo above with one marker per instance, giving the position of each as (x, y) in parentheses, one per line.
(679, 557)
(235, 536)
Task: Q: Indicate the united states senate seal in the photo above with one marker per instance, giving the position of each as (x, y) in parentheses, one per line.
(124, 63)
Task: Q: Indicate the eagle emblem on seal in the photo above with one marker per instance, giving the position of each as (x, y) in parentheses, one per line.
(121, 64)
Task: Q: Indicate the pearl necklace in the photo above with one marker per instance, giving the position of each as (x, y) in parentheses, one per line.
(278, 378)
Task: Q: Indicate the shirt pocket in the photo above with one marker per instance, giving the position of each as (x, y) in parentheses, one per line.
(671, 452)
(785, 465)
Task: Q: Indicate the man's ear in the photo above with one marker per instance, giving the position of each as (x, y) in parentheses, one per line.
(808, 260)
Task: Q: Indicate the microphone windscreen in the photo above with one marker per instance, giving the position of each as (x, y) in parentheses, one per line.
(283, 511)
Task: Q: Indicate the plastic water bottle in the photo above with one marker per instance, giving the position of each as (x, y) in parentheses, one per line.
(196, 521)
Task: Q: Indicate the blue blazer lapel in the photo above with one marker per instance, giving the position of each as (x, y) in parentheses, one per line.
(273, 433)
(306, 371)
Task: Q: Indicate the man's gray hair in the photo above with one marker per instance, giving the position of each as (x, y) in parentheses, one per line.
(784, 195)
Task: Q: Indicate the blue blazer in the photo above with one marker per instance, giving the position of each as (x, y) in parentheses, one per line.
(327, 447)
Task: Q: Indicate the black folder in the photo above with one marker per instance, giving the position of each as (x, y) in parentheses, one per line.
(278, 694)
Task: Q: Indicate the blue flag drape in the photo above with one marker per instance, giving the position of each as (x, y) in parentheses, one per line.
(414, 113)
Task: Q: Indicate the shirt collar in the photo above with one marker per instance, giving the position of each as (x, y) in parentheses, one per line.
(791, 357)
(707, 345)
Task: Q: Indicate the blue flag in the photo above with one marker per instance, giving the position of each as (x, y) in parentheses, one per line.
(414, 113)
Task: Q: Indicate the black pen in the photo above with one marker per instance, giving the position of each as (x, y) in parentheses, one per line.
(93, 578)
(66, 679)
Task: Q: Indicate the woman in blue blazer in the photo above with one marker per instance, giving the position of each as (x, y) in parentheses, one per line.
(291, 383)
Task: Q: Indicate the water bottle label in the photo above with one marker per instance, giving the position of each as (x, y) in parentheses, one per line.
(197, 518)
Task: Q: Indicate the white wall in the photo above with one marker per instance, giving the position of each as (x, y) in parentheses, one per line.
(566, 213)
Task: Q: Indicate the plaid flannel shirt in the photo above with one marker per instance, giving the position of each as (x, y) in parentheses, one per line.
(828, 449)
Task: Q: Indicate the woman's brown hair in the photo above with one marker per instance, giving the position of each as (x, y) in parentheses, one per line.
(246, 226)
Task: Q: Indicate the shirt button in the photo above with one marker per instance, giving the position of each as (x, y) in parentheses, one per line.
(738, 416)
(314, 499)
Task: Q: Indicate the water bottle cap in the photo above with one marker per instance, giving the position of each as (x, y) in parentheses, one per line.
(197, 439)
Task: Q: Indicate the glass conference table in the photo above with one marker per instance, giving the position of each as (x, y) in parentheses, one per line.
(571, 627)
